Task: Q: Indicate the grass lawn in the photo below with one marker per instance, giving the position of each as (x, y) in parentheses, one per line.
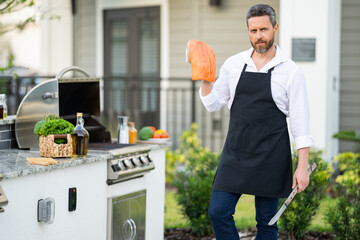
(244, 214)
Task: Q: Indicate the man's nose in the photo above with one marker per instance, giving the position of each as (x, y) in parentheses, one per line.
(258, 35)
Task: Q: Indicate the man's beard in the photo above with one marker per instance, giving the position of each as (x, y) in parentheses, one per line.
(260, 48)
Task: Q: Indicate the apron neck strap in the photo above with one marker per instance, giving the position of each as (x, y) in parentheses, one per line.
(269, 71)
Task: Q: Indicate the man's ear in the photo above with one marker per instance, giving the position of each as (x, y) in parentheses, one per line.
(276, 28)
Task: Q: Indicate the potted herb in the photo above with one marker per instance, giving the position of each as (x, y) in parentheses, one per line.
(54, 136)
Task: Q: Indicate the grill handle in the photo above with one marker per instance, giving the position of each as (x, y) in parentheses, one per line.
(72, 68)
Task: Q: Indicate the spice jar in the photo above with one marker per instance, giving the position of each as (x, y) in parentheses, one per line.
(3, 106)
(132, 133)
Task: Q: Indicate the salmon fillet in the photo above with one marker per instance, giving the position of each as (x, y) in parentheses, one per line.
(202, 59)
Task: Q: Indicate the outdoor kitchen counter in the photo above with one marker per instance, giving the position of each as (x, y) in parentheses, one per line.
(13, 161)
(24, 185)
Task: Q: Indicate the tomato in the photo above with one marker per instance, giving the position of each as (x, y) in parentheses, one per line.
(152, 128)
(156, 135)
(164, 135)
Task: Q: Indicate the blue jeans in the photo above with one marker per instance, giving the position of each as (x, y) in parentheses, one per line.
(222, 209)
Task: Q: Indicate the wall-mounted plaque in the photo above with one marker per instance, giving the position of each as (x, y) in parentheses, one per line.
(303, 49)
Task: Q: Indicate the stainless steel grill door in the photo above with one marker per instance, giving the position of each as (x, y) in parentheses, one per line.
(128, 217)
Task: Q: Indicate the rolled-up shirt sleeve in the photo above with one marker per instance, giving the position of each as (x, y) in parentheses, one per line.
(220, 93)
(299, 110)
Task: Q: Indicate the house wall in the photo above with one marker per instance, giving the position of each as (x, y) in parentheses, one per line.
(350, 70)
(319, 20)
(85, 36)
(56, 37)
(223, 28)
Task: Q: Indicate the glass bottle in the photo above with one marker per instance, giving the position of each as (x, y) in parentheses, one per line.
(123, 130)
(132, 133)
(80, 137)
(3, 106)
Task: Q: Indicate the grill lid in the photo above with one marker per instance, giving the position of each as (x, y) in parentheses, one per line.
(61, 96)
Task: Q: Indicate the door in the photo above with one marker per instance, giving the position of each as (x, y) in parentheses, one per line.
(128, 217)
(132, 64)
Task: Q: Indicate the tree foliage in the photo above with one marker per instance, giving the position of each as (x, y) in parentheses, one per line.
(11, 6)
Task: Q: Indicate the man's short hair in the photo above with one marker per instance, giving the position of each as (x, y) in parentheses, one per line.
(261, 10)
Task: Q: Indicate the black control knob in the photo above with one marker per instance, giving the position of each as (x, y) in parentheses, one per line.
(136, 162)
(148, 158)
(133, 162)
(141, 161)
(144, 160)
(115, 167)
(124, 164)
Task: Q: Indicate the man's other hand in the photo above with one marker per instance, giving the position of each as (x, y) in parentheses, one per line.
(301, 177)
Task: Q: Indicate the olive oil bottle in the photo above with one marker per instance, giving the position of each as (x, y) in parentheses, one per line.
(80, 137)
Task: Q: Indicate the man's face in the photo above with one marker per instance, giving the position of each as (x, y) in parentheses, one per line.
(261, 33)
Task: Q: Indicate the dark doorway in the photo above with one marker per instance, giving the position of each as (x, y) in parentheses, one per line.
(132, 65)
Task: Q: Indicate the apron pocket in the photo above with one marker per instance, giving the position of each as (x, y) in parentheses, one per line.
(259, 141)
(240, 137)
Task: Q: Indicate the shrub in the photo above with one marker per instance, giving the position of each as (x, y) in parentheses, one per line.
(194, 184)
(344, 216)
(173, 160)
(297, 216)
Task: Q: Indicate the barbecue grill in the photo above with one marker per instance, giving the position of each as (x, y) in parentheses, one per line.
(63, 97)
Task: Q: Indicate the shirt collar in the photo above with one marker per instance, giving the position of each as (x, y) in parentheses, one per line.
(279, 58)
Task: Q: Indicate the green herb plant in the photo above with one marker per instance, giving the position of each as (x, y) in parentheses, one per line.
(52, 124)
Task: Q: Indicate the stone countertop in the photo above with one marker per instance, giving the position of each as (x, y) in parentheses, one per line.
(13, 162)
(9, 120)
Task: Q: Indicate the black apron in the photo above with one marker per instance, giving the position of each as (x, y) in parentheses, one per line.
(256, 158)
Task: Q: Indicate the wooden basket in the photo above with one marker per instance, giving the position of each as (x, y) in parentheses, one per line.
(48, 148)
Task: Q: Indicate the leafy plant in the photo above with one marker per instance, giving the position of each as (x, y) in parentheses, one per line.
(297, 217)
(173, 160)
(52, 124)
(194, 184)
(13, 7)
(350, 136)
(344, 216)
(39, 124)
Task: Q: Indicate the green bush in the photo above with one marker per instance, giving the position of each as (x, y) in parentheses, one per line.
(297, 216)
(344, 216)
(194, 184)
(173, 160)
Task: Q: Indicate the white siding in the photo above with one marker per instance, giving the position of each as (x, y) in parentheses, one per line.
(223, 28)
(85, 36)
(350, 70)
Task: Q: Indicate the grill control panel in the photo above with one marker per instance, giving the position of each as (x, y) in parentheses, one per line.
(123, 168)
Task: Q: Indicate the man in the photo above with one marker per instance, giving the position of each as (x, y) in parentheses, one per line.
(262, 88)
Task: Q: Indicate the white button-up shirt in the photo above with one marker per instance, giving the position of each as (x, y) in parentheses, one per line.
(288, 88)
